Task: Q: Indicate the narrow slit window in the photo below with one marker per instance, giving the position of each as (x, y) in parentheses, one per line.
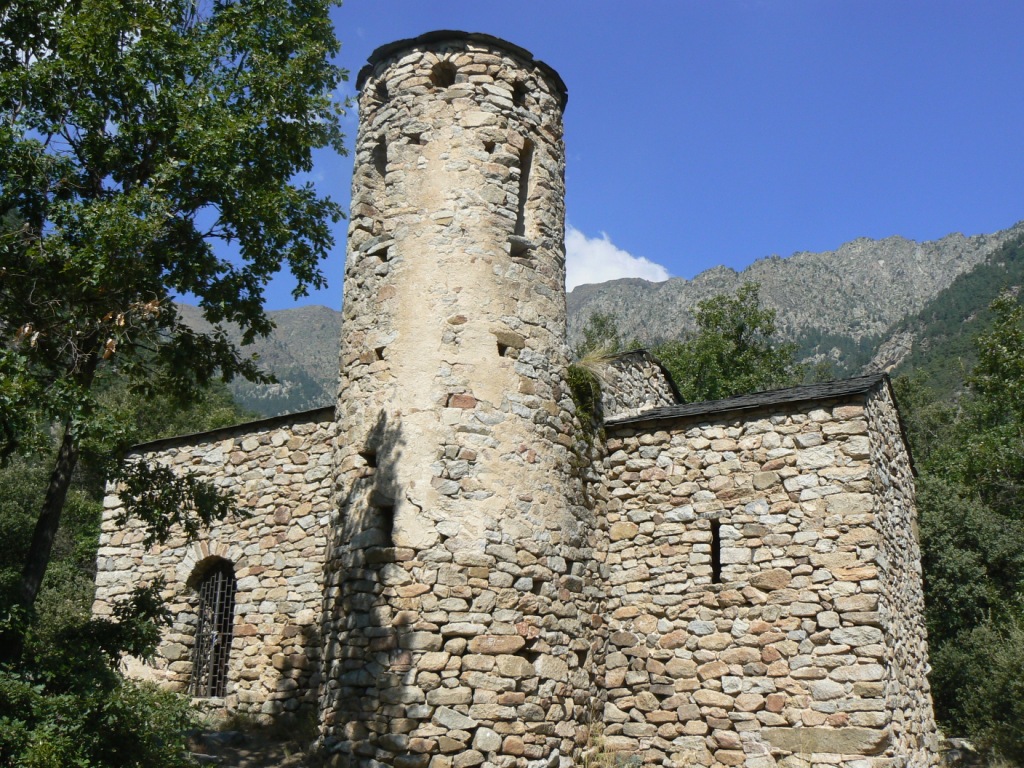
(519, 243)
(380, 158)
(385, 520)
(214, 630)
(716, 552)
(519, 93)
(525, 166)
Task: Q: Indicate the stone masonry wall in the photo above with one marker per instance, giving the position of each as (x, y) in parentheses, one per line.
(280, 473)
(632, 383)
(784, 660)
(901, 599)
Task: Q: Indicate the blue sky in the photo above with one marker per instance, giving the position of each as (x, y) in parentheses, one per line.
(722, 131)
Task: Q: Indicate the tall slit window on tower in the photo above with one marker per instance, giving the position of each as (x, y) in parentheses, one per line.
(214, 630)
(716, 552)
(519, 241)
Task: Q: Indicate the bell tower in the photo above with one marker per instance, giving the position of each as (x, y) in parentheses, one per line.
(454, 615)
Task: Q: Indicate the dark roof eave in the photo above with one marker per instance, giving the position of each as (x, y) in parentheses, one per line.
(804, 393)
(325, 413)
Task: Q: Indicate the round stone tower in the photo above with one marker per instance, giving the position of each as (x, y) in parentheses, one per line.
(454, 618)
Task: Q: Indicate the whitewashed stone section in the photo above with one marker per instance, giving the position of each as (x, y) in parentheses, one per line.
(280, 474)
(632, 383)
(756, 614)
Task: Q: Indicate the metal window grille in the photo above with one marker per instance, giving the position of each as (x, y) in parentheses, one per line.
(213, 632)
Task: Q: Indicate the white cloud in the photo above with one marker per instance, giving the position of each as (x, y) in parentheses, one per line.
(597, 259)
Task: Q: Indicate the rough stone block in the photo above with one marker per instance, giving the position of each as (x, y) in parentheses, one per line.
(840, 741)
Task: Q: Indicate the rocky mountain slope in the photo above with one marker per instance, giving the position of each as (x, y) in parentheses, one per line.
(302, 353)
(936, 344)
(845, 305)
(856, 291)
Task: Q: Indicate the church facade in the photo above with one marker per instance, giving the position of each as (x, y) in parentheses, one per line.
(461, 565)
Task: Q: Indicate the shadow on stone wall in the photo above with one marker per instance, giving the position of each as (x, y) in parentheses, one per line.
(296, 677)
(370, 646)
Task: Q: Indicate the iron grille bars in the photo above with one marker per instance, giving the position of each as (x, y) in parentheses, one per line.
(213, 632)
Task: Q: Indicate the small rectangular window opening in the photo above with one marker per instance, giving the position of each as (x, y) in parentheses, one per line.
(385, 519)
(716, 552)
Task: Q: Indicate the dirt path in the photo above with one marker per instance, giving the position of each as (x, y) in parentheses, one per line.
(240, 749)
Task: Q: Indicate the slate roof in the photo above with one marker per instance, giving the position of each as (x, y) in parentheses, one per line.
(808, 392)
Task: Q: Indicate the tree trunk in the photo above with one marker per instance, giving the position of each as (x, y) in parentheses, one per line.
(12, 635)
(49, 520)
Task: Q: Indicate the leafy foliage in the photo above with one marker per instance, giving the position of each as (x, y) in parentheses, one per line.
(148, 150)
(585, 388)
(600, 337)
(64, 703)
(734, 351)
(167, 501)
(970, 457)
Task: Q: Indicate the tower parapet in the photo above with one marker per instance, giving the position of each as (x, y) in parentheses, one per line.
(454, 611)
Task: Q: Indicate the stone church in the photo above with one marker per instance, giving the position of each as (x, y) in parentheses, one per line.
(458, 565)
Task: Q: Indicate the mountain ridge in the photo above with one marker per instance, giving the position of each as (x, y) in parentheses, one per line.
(843, 291)
(841, 305)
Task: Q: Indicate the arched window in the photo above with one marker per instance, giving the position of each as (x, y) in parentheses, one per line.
(216, 615)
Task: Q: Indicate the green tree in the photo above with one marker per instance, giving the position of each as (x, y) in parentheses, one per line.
(148, 149)
(971, 470)
(600, 336)
(63, 703)
(735, 349)
(992, 422)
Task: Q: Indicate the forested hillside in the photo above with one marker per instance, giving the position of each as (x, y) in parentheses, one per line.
(939, 339)
(301, 353)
